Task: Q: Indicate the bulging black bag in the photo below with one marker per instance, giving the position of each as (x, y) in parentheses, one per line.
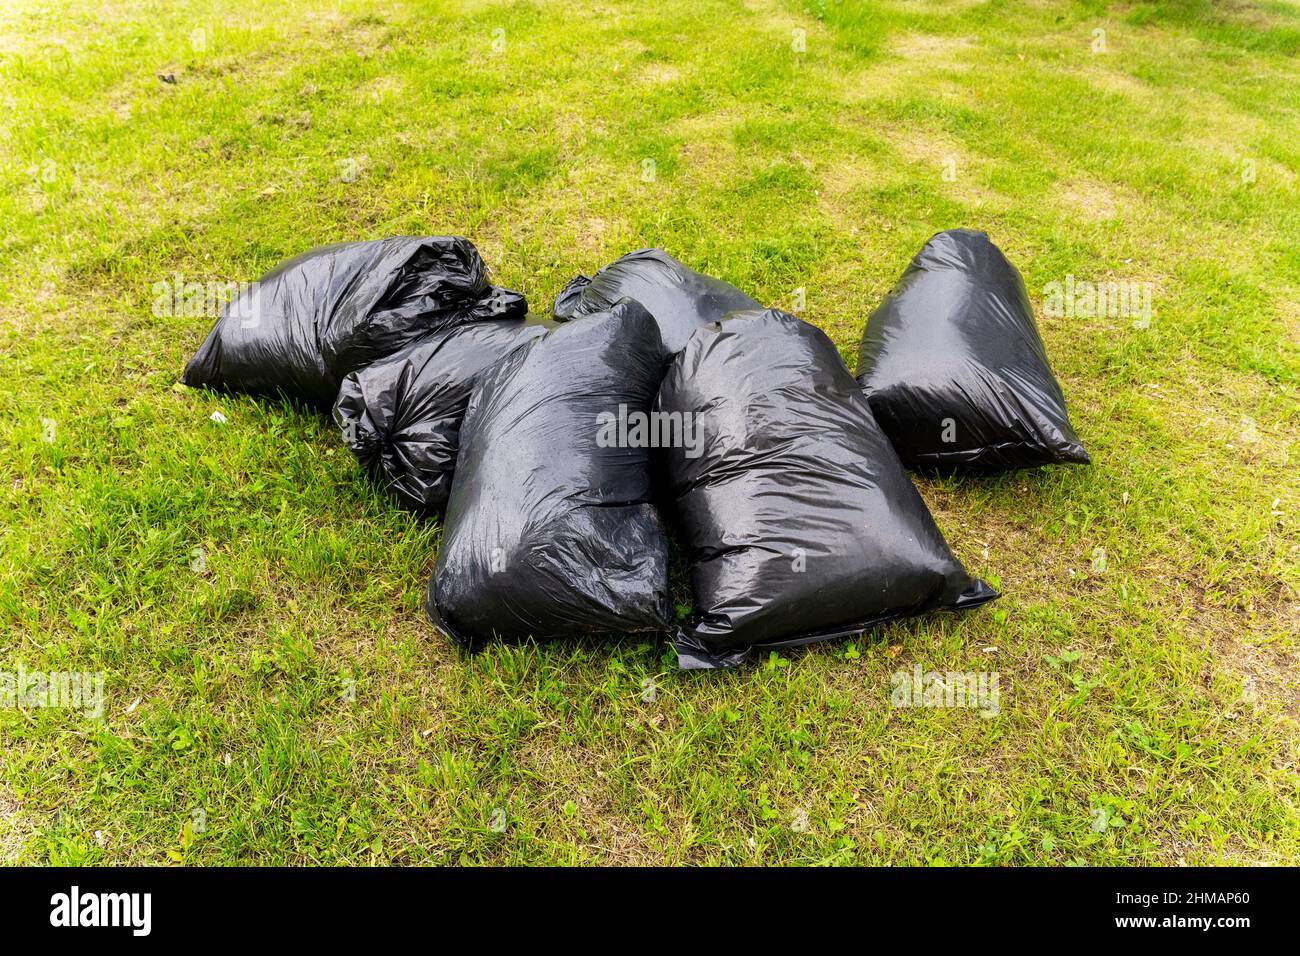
(401, 416)
(307, 323)
(680, 299)
(800, 522)
(549, 531)
(955, 370)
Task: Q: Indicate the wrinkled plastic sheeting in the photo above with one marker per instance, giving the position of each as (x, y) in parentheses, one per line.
(549, 532)
(680, 299)
(955, 370)
(305, 325)
(401, 416)
(799, 521)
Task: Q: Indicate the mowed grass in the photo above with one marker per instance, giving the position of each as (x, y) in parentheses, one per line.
(276, 696)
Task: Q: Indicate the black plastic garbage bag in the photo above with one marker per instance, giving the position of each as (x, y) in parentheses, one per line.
(307, 323)
(680, 299)
(549, 531)
(799, 520)
(955, 370)
(401, 416)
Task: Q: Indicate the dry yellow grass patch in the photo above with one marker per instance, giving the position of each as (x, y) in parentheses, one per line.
(956, 170)
(382, 89)
(943, 50)
(657, 73)
(1093, 200)
(779, 20)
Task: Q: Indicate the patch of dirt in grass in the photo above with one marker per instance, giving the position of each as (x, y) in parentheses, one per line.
(995, 541)
(1288, 309)
(1250, 14)
(592, 236)
(612, 837)
(570, 129)
(14, 829)
(365, 36)
(706, 160)
(1268, 668)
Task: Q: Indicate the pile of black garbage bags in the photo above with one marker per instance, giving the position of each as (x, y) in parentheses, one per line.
(657, 411)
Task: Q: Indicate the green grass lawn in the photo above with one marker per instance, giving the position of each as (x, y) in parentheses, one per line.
(274, 693)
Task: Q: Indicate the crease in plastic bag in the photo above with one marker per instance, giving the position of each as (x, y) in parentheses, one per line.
(401, 416)
(800, 522)
(680, 299)
(550, 531)
(955, 370)
(310, 321)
